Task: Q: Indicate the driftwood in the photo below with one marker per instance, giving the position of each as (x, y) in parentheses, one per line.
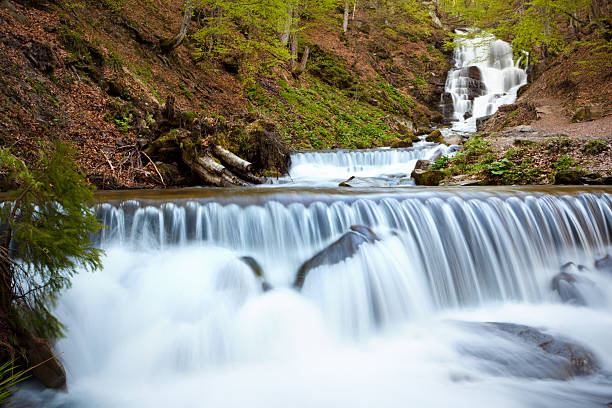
(230, 159)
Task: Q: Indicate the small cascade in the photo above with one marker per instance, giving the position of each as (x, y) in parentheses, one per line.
(485, 77)
(333, 166)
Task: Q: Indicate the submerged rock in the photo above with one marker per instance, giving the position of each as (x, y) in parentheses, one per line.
(565, 285)
(257, 271)
(604, 264)
(530, 353)
(364, 182)
(345, 247)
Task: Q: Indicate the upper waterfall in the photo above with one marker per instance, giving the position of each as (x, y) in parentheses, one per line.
(484, 78)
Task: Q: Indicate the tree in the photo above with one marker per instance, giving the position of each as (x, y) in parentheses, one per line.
(46, 225)
(169, 44)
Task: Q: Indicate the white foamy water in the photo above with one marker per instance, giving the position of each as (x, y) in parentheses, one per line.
(500, 76)
(329, 168)
(175, 319)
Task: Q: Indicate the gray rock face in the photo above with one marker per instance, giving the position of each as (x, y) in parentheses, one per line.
(529, 353)
(345, 247)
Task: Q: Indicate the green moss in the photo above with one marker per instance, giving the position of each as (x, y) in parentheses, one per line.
(594, 147)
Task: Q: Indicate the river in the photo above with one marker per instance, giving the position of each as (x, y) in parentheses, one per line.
(177, 319)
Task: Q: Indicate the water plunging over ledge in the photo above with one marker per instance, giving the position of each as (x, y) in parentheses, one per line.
(176, 319)
(485, 77)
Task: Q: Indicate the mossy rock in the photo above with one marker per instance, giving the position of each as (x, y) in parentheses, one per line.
(435, 137)
(402, 143)
(588, 113)
(427, 177)
(568, 177)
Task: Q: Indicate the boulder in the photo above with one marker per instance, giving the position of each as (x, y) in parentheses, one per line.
(565, 285)
(423, 175)
(345, 247)
(568, 177)
(453, 140)
(38, 353)
(521, 91)
(446, 106)
(522, 351)
(588, 113)
(399, 143)
(604, 264)
(435, 136)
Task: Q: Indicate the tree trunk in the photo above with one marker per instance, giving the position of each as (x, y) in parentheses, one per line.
(284, 37)
(304, 60)
(231, 160)
(169, 44)
(346, 16)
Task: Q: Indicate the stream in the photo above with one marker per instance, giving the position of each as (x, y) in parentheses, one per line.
(177, 318)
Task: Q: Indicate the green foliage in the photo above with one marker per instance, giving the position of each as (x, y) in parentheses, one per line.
(323, 117)
(47, 223)
(121, 115)
(10, 377)
(594, 147)
(531, 25)
(476, 157)
(565, 162)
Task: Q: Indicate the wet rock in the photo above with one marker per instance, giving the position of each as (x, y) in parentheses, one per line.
(257, 271)
(424, 175)
(604, 264)
(399, 143)
(588, 113)
(529, 353)
(38, 353)
(446, 106)
(364, 182)
(435, 136)
(480, 122)
(565, 284)
(345, 247)
(568, 177)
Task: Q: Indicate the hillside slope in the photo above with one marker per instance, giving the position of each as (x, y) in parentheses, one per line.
(92, 74)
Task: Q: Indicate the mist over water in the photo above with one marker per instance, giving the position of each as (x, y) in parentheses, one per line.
(175, 319)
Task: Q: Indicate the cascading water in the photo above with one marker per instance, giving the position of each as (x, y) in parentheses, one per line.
(485, 77)
(176, 319)
(328, 168)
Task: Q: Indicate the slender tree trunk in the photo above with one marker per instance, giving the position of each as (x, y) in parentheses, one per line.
(346, 16)
(170, 44)
(284, 37)
(294, 40)
(304, 60)
(354, 8)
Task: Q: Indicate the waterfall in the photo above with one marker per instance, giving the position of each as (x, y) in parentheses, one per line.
(333, 166)
(177, 319)
(485, 77)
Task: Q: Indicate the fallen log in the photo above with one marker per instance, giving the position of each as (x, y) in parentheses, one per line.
(230, 159)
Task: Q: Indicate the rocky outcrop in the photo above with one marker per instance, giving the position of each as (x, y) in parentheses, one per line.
(532, 354)
(345, 247)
